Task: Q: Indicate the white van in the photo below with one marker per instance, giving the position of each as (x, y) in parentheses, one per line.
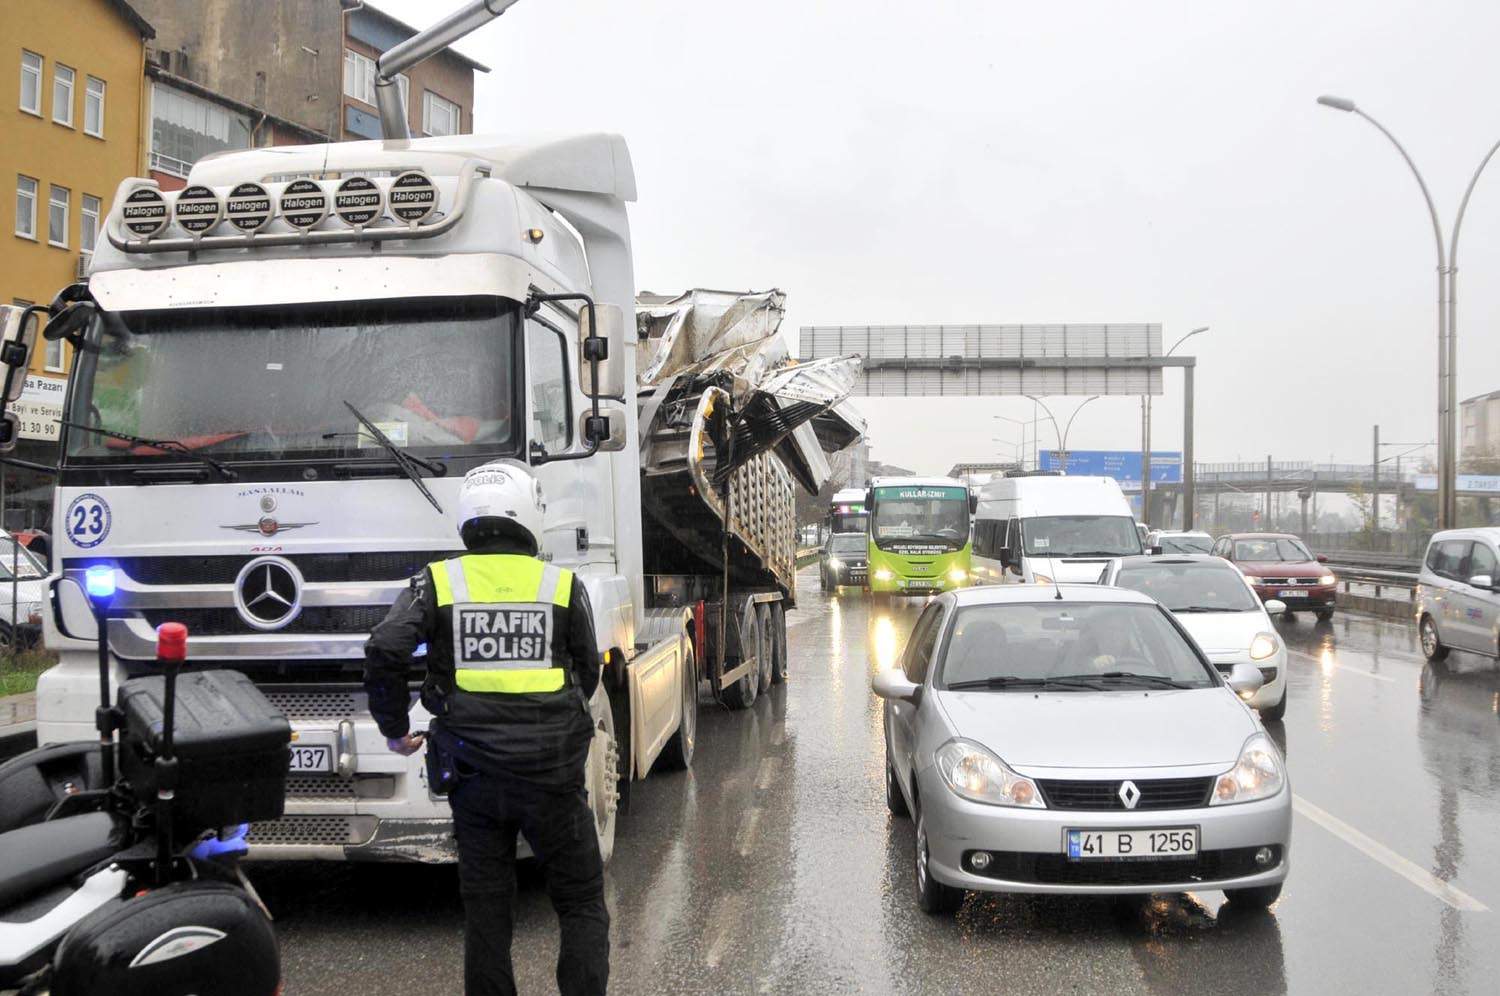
(1050, 528)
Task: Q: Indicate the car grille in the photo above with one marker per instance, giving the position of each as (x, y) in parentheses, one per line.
(227, 622)
(377, 566)
(1055, 869)
(1285, 582)
(1156, 793)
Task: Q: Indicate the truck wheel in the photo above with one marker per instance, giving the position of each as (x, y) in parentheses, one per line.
(778, 634)
(601, 775)
(767, 646)
(679, 750)
(742, 694)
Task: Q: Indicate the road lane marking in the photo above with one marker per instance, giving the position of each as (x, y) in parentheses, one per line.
(1342, 667)
(744, 841)
(725, 920)
(1412, 872)
(765, 773)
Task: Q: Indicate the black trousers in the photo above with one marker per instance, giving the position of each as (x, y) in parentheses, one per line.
(488, 811)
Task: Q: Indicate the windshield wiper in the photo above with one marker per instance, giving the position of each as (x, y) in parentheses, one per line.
(407, 463)
(1089, 553)
(1205, 608)
(1015, 681)
(1155, 679)
(168, 445)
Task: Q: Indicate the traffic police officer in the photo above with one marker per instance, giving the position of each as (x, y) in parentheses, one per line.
(511, 666)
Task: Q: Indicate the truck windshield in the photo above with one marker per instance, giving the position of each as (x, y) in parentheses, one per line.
(434, 374)
(926, 515)
(1080, 536)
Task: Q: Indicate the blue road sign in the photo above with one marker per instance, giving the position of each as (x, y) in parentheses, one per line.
(1122, 465)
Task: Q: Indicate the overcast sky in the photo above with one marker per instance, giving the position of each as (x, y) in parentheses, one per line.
(921, 163)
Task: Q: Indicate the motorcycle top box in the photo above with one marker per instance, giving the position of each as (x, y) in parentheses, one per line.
(229, 741)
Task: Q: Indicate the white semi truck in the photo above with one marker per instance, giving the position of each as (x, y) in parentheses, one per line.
(282, 374)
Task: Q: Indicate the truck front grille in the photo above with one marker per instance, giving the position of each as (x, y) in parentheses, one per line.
(315, 567)
(315, 831)
(227, 622)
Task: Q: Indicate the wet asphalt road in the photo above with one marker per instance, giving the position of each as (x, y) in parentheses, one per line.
(773, 867)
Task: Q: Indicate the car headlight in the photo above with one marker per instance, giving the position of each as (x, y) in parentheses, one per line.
(1256, 775)
(835, 563)
(1255, 582)
(958, 575)
(975, 774)
(1327, 579)
(1263, 646)
(1041, 579)
(881, 574)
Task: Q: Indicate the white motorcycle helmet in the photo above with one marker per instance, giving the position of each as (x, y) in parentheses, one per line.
(501, 499)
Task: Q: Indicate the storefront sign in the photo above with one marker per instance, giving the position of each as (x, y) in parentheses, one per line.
(40, 406)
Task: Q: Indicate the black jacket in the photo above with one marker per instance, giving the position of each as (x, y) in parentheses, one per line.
(540, 737)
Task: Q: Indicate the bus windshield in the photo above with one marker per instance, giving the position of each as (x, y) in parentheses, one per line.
(919, 514)
(435, 375)
(848, 519)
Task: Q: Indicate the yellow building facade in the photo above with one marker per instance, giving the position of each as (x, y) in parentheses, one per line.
(76, 123)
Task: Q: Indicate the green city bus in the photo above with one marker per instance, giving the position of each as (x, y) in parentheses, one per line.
(919, 535)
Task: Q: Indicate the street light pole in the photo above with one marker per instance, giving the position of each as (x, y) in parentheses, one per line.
(1146, 442)
(1447, 435)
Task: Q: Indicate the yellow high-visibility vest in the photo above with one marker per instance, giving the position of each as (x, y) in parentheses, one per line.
(501, 606)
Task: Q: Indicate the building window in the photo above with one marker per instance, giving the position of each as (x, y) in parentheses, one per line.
(57, 216)
(88, 225)
(53, 359)
(439, 116)
(185, 128)
(359, 80)
(25, 207)
(62, 95)
(31, 82)
(93, 107)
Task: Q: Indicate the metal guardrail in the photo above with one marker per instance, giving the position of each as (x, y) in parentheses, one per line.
(1381, 578)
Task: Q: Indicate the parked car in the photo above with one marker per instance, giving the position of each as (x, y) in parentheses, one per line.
(1180, 541)
(845, 561)
(23, 627)
(1458, 593)
(1074, 739)
(1219, 609)
(1280, 566)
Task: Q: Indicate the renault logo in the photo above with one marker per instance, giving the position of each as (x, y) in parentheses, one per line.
(1129, 794)
(268, 593)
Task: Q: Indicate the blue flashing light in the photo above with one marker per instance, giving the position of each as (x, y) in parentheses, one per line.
(99, 582)
(421, 650)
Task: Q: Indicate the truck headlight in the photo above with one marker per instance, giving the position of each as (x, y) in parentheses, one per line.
(1327, 579)
(1256, 775)
(881, 574)
(973, 773)
(1263, 646)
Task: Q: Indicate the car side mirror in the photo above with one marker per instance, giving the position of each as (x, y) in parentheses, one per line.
(1156, 550)
(1275, 607)
(893, 684)
(1322, 558)
(1485, 581)
(1245, 680)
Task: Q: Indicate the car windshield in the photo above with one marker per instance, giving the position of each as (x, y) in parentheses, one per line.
(1185, 544)
(1202, 586)
(434, 375)
(921, 514)
(845, 546)
(12, 554)
(1282, 548)
(1086, 645)
(1080, 535)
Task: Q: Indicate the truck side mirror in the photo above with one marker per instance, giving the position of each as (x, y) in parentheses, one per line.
(601, 351)
(606, 430)
(973, 504)
(17, 341)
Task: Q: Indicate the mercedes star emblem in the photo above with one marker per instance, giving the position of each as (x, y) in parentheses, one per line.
(268, 593)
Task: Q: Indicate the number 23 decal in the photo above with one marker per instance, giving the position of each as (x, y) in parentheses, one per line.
(88, 520)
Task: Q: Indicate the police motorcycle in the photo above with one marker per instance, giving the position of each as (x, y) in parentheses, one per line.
(118, 860)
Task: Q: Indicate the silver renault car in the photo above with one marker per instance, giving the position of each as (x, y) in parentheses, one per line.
(1074, 739)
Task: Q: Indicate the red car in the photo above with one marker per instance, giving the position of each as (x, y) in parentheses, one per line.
(1281, 567)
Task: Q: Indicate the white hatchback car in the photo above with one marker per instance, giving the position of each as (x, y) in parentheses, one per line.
(1458, 593)
(1074, 739)
(1219, 608)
